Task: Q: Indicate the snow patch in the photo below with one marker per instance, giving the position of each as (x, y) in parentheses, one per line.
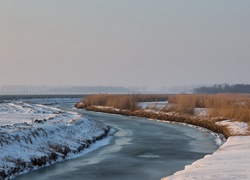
(153, 104)
(230, 161)
(200, 111)
(34, 135)
(235, 127)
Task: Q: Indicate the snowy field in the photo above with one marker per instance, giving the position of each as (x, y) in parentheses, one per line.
(35, 135)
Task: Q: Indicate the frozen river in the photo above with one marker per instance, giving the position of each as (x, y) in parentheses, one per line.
(138, 149)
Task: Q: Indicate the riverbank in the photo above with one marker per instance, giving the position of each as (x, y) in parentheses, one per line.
(33, 136)
(230, 161)
(157, 115)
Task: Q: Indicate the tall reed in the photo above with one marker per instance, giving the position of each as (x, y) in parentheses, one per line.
(128, 102)
(229, 106)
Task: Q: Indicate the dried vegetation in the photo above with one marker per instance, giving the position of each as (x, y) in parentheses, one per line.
(120, 101)
(221, 106)
(228, 106)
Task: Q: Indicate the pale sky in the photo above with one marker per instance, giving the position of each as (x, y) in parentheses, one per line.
(152, 43)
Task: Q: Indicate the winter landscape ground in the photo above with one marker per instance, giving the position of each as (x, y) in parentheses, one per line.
(35, 135)
(28, 140)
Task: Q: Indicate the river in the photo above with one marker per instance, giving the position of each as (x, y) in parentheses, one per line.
(137, 149)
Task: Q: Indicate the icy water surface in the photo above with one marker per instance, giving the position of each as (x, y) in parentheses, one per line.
(138, 149)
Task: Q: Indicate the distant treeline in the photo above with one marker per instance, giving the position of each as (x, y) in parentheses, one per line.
(223, 88)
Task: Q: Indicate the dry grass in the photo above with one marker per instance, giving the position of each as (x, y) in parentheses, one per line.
(152, 97)
(229, 106)
(117, 101)
(183, 104)
(120, 101)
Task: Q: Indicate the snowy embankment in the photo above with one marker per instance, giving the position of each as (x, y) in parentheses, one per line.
(235, 127)
(32, 136)
(230, 161)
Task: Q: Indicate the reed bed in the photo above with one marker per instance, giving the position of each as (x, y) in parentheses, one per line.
(229, 106)
(120, 101)
(185, 104)
(128, 102)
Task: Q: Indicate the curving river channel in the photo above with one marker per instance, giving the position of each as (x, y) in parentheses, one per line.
(137, 149)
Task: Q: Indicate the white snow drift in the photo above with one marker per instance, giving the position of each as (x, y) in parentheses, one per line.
(32, 136)
(230, 161)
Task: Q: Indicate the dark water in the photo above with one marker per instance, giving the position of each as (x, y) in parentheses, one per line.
(138, 149)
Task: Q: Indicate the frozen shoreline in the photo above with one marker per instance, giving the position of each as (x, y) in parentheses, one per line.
(230, 161)
(219, 138)
(34, 136)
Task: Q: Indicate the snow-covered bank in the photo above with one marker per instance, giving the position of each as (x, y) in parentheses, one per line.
(236, 128)
(230, 161)
(32, 136)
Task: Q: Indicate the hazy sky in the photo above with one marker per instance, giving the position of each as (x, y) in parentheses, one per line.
(151, 43)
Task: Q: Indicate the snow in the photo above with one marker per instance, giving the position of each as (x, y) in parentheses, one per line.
(200, 111)
(35, 131)
(107, 107)
(152, 105)
(11, 113)
(236, 128)
(230, 161)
